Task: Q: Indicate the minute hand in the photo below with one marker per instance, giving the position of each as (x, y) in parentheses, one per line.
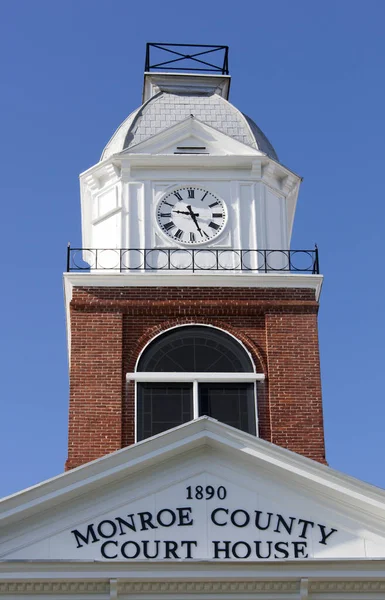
(192, 215)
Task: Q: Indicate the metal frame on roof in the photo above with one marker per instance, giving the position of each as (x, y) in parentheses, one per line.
(179, 54)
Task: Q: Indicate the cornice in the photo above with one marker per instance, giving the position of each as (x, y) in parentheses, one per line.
(320, 573)
(264, 168)
(178, 279)
(204, 307)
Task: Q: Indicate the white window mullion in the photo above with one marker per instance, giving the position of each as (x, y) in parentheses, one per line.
(195, 400)
(256, 409)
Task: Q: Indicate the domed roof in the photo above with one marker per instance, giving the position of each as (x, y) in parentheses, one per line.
(165, 109)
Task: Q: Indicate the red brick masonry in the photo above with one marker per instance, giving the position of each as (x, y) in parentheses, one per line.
(110, 326)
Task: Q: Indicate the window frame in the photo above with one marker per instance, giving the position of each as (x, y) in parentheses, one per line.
(194, 377)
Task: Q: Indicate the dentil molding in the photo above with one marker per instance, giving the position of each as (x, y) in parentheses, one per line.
(300, 588)
(208, 587)
(54, 587)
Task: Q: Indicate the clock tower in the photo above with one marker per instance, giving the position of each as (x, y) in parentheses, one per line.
(185, 299)
(195, 399)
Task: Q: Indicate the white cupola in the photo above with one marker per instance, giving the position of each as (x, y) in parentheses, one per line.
(187, 170)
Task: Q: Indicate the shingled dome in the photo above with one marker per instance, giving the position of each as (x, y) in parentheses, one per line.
(166, 109)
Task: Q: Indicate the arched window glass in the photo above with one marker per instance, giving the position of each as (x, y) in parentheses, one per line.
(187, 369)
(196, 348)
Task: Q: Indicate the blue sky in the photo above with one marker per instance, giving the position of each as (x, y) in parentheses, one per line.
(311, 74)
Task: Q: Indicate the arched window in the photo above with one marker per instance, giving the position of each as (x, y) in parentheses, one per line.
(192, 371)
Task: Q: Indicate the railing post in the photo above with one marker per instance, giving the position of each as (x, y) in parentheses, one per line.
(265, 259)
(316, 262)
(193, 260)
(225, 70)
(68, 256)
(289, 257)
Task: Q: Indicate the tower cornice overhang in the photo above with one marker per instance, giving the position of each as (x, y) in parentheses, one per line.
(277, 176)
(180, 279)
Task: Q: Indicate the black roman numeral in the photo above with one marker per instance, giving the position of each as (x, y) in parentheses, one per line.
(168, 215)
(168, 204)
(177, 194)
(191, 193)
(217, 215)
(214, 204)
(192, 237)
(204, 196)
(178, 234)
(213, 225)
(169, 225)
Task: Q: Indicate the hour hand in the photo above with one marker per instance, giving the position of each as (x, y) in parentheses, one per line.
(185, 212)
(193, 216)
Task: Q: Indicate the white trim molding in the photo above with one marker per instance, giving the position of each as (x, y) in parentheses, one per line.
(180, 279)
(152, 376)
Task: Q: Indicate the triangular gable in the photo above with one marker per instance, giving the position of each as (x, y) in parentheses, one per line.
(201, 491)
(194, 137)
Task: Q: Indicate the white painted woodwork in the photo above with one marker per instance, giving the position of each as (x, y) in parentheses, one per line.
(40, 557)
(120, 195)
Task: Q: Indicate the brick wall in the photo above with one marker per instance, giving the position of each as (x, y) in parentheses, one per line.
(110, 327)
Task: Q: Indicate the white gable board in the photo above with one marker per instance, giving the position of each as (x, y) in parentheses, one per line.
(207, 502)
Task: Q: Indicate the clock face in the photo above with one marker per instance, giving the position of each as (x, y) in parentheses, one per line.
(191, 215)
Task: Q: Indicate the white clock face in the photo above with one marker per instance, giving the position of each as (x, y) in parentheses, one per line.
(191, 215)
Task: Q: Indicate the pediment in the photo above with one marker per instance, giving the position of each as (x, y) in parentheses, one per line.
(203, 491)
(191, 136)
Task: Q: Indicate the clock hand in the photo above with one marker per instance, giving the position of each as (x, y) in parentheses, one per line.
(192, 215)
(185, 212)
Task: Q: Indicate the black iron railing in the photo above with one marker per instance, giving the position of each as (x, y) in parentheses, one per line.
(192, 259)
(184, 57)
